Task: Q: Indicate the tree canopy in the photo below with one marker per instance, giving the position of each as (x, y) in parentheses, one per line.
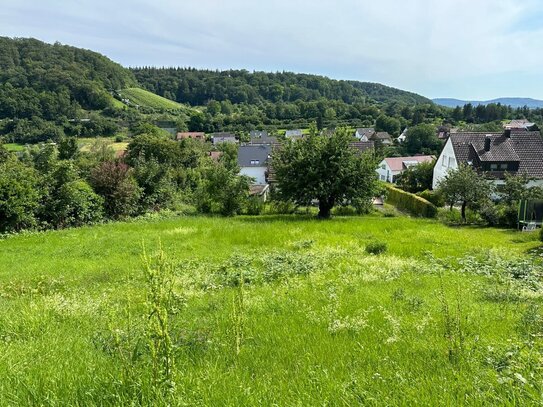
(327, 169)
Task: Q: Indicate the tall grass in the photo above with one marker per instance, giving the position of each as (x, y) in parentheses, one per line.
(274, 310)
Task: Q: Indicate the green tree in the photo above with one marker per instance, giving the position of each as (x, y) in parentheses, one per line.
(19, 195)
(417, 178)
(115, 183)
(465, 186)
(389, 124)
(221, 190)
(422, 139)
(326, 169)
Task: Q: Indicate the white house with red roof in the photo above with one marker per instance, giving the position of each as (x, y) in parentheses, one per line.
(391, 167)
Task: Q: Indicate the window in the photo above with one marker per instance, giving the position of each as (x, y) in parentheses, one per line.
(444, 162)
(503, 167)
(451, 161)
(384, 167)
(382, 178)
(493, 167)
(255, 162)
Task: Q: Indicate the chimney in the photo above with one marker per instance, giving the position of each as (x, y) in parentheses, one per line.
(507, 133)
(487, 143)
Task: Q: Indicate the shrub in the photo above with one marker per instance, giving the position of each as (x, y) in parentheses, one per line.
(115, 182)
(254, 206)
(434, 197)
(376, 247)
(541, 234)
(411, 203)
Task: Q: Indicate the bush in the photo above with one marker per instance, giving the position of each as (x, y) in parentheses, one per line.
(254, 206)
(411, 203)
(376, 247)
(434, 197)
(541, 234)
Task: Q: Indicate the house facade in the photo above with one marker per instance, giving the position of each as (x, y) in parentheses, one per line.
(364, 133)
(253, 162)
(493, 155)
(390, 168)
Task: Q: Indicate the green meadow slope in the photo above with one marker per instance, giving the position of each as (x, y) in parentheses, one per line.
(141, 97)
(271, 310)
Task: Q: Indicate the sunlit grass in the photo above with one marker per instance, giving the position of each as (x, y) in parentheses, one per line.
(322, 321)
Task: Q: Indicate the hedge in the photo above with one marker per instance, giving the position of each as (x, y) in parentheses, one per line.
(411, 203)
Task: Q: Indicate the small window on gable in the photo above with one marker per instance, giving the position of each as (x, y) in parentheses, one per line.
(444, 162)
(384, 167)
(493, 167)
(451, 161)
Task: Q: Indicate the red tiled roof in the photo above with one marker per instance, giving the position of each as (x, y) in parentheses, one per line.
(397, 163)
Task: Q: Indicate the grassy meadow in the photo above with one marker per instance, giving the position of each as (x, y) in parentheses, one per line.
(271, 310)
(142, 97)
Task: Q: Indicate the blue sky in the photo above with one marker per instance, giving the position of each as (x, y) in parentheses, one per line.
(468, 49)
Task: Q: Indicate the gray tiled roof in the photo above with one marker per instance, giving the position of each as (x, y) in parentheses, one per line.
(525, 147)
(254, 155)
(363, 145)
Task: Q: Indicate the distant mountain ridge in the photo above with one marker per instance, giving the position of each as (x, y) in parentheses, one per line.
(509, 101)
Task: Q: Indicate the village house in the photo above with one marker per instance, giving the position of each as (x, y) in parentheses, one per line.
(261, 137)
(390, 168)
(253, 162)
(369, 134)
(382, 137)
(294, 134)
(403, 136)
(519, 124)
(364, 133)
(493, 155)
(218, 138)
(195, 135)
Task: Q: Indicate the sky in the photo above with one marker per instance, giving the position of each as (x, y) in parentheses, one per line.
(466, 49)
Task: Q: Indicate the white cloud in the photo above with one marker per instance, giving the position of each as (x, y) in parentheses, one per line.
(422, 45)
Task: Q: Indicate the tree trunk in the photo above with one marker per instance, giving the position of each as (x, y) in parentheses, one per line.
(464, 203)
(325, 207)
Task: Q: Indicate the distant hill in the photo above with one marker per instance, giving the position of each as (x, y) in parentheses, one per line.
(197, 87)
(513, 102)
(51, 81)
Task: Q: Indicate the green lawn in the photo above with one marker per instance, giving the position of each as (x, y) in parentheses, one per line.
(14, 147)
(317, 321)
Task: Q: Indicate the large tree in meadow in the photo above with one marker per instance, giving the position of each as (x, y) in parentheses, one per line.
(465, 186)
(327, 169)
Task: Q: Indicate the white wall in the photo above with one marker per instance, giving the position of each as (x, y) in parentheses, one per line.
(385, 174)
(445, 162)
(259, 173)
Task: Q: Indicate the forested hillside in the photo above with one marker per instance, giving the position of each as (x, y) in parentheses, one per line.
(197, 87)
(48, 81)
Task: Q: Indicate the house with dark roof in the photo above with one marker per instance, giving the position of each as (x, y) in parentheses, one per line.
(261, 137)
(364, 133)
(218, 138)
(294, 134)
(253, 162)
(493, 155)
(519, 124)
(391, 167)
(363, 146)
(382, 137)
(258, 133)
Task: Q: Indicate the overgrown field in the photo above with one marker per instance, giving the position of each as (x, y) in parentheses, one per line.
(271, 311)
(142, 97)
